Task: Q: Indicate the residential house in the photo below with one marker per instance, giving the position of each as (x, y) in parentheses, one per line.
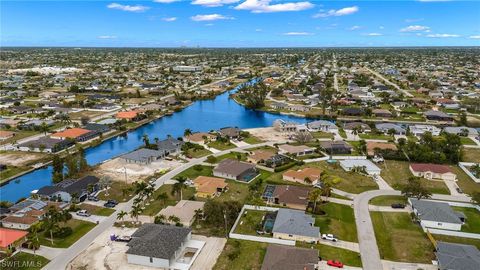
(77, 134)
(279, 106)
(374, 147)
(209, 187)
(437, 215)
(352, 111)
(382, 113)
(284, 126)
(142, 156)
(361, 127)
(303, 176)
(200, 137)
(4, 135)
(45, 144)
(336, 147)
(163, 246)
(322, 125)
(102, 129)
(463, 131)
(70, 189)
(128, 115)
(35, 124)
(432, 171)
(230, 132)
(419, 130)
(437, 116)
(369, 167)
(280, 257)
(170, 146)
(260, 155)
(453, 256)
(295, 225)
(295, 197)
(11, 239)
(235, 170)
(386, 127)
(296, 150)
(184, 210)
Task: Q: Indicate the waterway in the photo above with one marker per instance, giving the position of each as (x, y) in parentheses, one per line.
(202, 115)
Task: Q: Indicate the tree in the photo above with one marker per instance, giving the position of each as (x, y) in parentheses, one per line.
(146, 140)
(187, 132)
(135, 212)
(84, 120)
(33, 241)
(307, 180)
(476, 198)
(159, 219)
(57, 171)
(163, 197)
(211, 159)
(104, 183)
(44, 128)
(174, 219)
(82, 161)
(121, 215)
(72, 165)
(179, 186)
(462, 119)
(391, 132)
(314, 197)
(328, 182)
(415, 188)
(65, 119)
(303, 137)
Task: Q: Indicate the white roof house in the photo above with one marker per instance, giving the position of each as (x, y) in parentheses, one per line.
(370, 167)
(419, 130)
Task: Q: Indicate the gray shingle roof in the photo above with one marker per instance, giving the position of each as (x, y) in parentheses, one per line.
(457, 256)
(157, 241)
(142, 154)
(435, 211)
(295, 222)
(233, 167)
(280, 257)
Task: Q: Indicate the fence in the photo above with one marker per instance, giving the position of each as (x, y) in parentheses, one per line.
(453, 233)
(257, 238)
(467, 171)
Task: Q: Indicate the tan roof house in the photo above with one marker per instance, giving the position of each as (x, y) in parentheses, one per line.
(299, 176)
(371, 146)
(432, 171)
(199, 137)
(259, 155)
(297, 150)
(184, 210)
(209, 186)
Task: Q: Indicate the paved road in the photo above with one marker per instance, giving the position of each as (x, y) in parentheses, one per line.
(366, 235)
(61, 261)
(405, 92)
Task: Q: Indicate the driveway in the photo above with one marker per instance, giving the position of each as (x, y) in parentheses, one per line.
(92, 218)
(210, 252)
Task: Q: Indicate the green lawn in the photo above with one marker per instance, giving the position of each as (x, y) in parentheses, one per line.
(351, 182)
(96, 210)
(236, 192)
(471, 155)
(79, 228)
(197, 170)
(232, 155)
(322, 135)
(19, 134)
(156, 205)
(467, 141)
(197, 153)
(388, 200)
(458, 240)
(252, 140)
(346, 256)
(24, 261)
(342, 133)
(396, 173)
(11, 171)
(250, 222)
(465, 182)
(221, 145)
(241, 255)
(472, 224)
(369, 136)
(399, 239)
(338, 220)
(119, 191)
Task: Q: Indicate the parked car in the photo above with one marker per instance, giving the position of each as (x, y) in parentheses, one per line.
(335, 263)
(329, 237)
(459, 190)
(83, 213)
(110, 203)
(398, 205)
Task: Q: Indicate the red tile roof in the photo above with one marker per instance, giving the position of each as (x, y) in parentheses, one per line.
(71, 133)
(429, 167)
(9, 236)
(127, 115)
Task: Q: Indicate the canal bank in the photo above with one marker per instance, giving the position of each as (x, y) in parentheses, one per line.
(204, 115)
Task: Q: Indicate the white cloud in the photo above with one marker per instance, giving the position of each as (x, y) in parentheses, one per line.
(166, 1)
(263, 6)
(297, 34)
(210, 17)
(213, 3)
(474, 37)
(107, 37)
(442, 36)
(258, 30)
(415, 28)
(355, 27)
(381, 27)
(373, 34)
(339, 12)
(135, 8)
(169, 19)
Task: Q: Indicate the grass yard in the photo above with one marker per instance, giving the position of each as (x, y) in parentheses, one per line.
(396, 173)
(156, 205)
(241, 255)
(388, 200)
(252, 140)
(265, 147)
(79, 115)
(465, 182)
(197, 153)
(399, 239)
(458, 240)
(467, 141)
(19, 134)
(11, 171)
(338, 220)
(232, 155)
(250, 222)
(96, 210)
(342, 133)
(369, 136)
(24, 261)
(236, 192)
(197, 170)
(79, 227)
(221, 145)
(321, 135)
(346, 256)
(118, 191)
(351, 182)
(472, 224)
(471, 155)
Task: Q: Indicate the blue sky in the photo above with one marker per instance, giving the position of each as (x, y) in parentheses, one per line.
(239, 23)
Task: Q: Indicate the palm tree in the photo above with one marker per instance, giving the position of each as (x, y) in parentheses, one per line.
(33, 241)
(121, 215)
(163, 197)
(187, 132)
(355, 131)
(135, 212)
(198, 214)
(139, 188)
(159, 219)
(179, 186)
(65, 119)
(328, 182)
(44, 128)
(174, 219)
(307, 180)
(146, 140)
(314, 196)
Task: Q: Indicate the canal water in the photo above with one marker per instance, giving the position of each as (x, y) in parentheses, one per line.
(202, 115)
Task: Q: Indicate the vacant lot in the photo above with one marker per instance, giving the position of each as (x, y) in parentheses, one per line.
(79, 228)
(399, 239)
(396, 173)
(96, 210)
(347, 257)
(119, 191)
(465, 182)
(20, 261)
(471, 155)
(338, 220)
(221, 145)
(388, 200)
(195, 171)
(19, 159)
(240, 255)
(155, 205)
